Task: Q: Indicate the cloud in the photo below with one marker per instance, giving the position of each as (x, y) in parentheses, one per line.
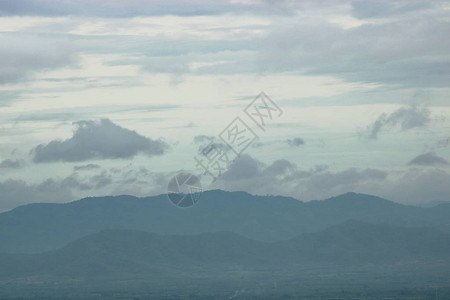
(419, 186)
(257, 144)
(407, 50)
(200, 139)
(410, 186)
(443, 143)
(280, 167)
(295, 142)
(308, 43)
(352, 179)
(283, 177)
(86, 167)
(26, 55)
(208, 143)
(7, 96)
(133, 8)
(98, 140)
(17, 192)
(244, 167)
(428, 159)
(12, 164)
(405, 117)
(382, 9)
(125, 180)
(97, 181)
(316, 46)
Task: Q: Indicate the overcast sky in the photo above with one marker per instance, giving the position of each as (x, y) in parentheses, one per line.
(115, 97)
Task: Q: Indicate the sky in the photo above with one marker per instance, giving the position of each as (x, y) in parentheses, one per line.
(116, 97)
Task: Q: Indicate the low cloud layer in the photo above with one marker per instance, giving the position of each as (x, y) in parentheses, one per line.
(285, 178)
(17, 192)
(137, 181)
(98, 181)
(98, 140)
(282, 177)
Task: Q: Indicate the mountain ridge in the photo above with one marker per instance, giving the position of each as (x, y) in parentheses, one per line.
(41, 227)
(118, 251)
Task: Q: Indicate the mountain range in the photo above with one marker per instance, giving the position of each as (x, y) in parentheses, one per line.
(40, 227)
(231, 245)
(130, 252)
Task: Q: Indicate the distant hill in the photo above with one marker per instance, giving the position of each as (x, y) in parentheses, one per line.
(435, 203)
(360, 242)
(125, 253)
(42, 227)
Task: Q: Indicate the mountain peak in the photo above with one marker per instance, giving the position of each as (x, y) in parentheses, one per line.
(352, 197)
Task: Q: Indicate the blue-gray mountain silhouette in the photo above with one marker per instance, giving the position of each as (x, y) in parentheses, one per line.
(35, 228)
(130, 253)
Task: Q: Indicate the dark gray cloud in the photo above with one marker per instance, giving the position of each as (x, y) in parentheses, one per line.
(24, 56)
(98, 140)
(208, 143)
(315, 46)
(128, 179)
(98, 181)
(405, 117)
(87, 167)
(244, 167)
(443, 143)
(282, 177)
(280, 167)
(428, 159)
(139, 181)
(408, 50)
(103, 8)
(310, 45)
(295, 142)
(132, 8)
(12, 164)
(201, 139)
(17, 192)
(383, 9)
